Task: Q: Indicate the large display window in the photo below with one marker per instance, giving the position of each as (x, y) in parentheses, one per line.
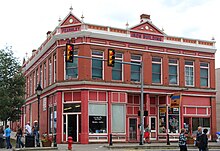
(162, 119)
(97, 118)
(173, 117)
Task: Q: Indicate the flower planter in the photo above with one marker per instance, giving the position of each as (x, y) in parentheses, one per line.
(190, 141)
(46, 144)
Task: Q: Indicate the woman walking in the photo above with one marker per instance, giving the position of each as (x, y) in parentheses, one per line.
(182, 141)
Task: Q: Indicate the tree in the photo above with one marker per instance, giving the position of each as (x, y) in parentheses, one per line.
(12, 86)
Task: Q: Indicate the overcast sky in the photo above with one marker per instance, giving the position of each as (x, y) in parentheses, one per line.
(24, 23)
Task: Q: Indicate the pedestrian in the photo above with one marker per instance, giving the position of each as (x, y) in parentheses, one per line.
(7, 137)
(28, 129)
(36, 133)
(198, 134)
(1, 137)
(182, 140)
(203, 145)
(19, 135)
(147, 134)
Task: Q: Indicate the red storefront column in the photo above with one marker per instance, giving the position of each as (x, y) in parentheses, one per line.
(213, 118)
(84, 137)
(59, 117)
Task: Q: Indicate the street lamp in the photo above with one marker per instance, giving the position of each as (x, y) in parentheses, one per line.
(38, 91)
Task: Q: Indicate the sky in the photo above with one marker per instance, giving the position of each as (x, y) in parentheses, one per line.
(24, 23)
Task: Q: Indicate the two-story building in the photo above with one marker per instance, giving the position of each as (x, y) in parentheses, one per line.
(89, 100)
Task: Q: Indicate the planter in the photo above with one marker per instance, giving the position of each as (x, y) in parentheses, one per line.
(190, 141)
(46, 144)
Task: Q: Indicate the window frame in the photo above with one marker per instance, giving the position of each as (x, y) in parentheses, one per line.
(176, 64)
(190, 67)
(156, 63)
(207, 78)
(72, 67)
(114, 69)
(137, 59)
(100, 58)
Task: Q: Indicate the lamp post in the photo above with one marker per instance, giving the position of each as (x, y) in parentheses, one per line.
(38, 91)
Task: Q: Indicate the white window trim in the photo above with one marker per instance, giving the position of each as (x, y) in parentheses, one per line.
(208, 86)
(161, 69)
(189, 66)
(177, 65)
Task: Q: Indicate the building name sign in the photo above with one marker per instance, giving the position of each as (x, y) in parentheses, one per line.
(147, 36)
(70, 29)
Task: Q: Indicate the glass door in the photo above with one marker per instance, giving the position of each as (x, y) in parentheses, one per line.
(133, 129)
(152, 126)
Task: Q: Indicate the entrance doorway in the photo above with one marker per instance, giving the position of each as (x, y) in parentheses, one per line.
(132, 129)
(72, 126)
(152, 126)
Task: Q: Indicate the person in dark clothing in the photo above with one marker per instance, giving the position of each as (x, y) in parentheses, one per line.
(198, 134)
(19, 134)
(182, 141)
(203, 145)
(1, 137)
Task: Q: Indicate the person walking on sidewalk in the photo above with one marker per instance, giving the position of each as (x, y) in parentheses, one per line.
(36, 133)
(182, 140)
(7, 136)
(147, 134)
(203, 145)
(198, 134)
(19, 134)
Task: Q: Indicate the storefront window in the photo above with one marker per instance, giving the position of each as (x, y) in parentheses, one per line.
(118, 118)
(203, 122)
(162, 119)
(173, 117)
(97, 118)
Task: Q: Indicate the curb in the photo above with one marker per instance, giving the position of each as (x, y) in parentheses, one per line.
(35, 148)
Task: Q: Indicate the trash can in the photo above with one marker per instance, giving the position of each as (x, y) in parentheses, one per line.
(2, 143)
(29, 141)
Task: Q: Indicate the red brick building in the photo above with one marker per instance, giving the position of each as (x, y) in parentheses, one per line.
(89, 100)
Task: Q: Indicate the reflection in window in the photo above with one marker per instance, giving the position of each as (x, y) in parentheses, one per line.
(156, 70)
(97, 118)
(173, 71)
(204, 74)
(97, 65)
(72, 67)
(189, 73)
(135, 69)
(173, 119)
(162, 119)
(117, 69)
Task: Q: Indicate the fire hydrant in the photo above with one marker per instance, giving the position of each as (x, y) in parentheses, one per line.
(70, 141)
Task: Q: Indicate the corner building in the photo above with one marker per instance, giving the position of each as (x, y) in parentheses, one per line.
(89, 100)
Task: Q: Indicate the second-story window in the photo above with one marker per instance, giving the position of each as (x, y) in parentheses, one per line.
(50, 72)
(135, 69)
(97, 65)
(117, 69)
(34, 81)
(189, 73)
(54, 68)
(156, 70)
(41, 75)
(45, 75)
(204, 74)
(173, 71)
(72, 67)
(37, 75)
(30, 84)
